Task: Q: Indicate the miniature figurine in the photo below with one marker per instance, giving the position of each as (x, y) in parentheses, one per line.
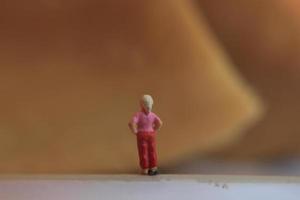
(145, 125)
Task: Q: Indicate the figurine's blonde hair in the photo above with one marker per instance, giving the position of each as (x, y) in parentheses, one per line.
(147, 100)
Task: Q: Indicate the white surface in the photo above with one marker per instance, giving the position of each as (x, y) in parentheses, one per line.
(133, 187)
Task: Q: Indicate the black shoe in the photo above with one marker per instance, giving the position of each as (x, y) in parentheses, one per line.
(152, 172)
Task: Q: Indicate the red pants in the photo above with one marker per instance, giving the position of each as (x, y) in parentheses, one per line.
(147, 149)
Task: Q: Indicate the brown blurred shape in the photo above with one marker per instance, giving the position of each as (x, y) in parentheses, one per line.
(262, 38)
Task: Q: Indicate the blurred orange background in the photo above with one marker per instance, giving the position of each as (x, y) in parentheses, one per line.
(224, 77)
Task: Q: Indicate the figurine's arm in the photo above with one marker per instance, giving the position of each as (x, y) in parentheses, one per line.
(157, 124)
(133, 124)
(133, 127)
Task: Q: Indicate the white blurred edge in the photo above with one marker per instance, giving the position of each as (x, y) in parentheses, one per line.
(131, 187)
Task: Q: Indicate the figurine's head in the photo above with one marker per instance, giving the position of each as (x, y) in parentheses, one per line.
(146, 103)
